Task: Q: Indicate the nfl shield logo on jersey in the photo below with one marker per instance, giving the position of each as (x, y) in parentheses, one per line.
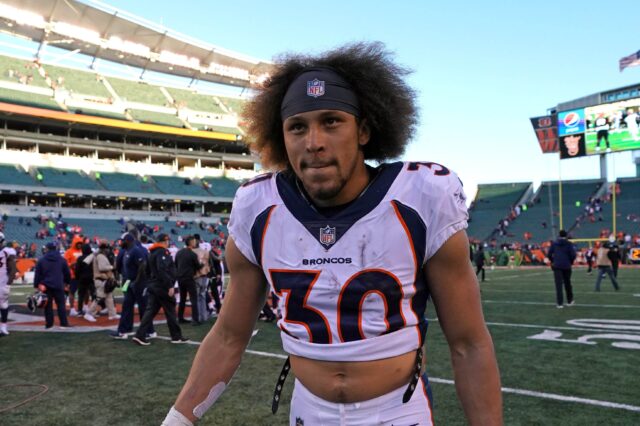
(299, 421)
(327, 235)
(315, 88)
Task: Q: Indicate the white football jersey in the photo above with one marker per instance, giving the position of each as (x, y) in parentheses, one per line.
(351, 286)
(5, 253)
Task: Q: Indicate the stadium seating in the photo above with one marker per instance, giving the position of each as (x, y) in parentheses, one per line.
(11, 175)
(179, 186)
(122, 182)
(222, 187)
(233, 104)
(13, 70)
(20, 97)
(221, 129)
(77, 81)
(57, 178)
(98, 113)
(138, 92)
(156, 118)
(492, 203)
(194, 101)
(628, 206)
(108, 229)
(542, 218)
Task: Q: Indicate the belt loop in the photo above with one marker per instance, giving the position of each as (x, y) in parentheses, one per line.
(415, 377)
(279, 385)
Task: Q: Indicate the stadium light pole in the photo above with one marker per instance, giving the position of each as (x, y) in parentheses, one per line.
(560, 192)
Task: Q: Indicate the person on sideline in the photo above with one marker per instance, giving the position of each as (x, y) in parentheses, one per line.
(52, 276)
(604, 267)
(562, 254)
(161, 275)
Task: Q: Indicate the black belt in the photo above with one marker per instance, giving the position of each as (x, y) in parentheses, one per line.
(413, 383)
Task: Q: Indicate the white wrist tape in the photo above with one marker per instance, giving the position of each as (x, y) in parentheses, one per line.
(213, 396)
(176, 418)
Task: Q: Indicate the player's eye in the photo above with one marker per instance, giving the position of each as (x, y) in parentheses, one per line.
(295, 127)
(332, 121)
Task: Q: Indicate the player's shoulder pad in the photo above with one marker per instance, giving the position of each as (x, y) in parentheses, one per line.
(10, 251)
(431, 178)
(256, 191)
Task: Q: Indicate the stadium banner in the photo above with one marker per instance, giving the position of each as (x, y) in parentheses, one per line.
(571, 122)
(572, 146)
(547, 132)
(613, 127)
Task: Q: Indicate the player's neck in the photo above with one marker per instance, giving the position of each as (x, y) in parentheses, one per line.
(334, 206)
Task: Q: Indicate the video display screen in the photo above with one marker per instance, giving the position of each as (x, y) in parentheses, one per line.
(612, 127)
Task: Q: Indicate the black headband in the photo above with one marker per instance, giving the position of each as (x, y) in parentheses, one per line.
(319, 88)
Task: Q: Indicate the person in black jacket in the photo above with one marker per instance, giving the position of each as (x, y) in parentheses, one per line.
(84, 276)
(161, 274)
(562, 254)
(614, 256)
(479, 259)
(51, 276)
(187, 265)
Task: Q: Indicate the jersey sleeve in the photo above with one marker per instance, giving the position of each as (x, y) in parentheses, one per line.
(447, 207)
(250, 199)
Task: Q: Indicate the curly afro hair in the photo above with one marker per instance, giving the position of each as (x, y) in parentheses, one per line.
(387, 103)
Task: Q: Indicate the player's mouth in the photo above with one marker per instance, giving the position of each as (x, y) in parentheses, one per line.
(317, 165)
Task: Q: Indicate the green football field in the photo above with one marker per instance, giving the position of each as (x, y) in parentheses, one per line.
(574, 366)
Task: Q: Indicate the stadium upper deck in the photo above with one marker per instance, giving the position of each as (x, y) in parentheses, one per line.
(111, 122)
(101, 31)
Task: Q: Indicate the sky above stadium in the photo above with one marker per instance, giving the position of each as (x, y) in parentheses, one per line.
(481, 69)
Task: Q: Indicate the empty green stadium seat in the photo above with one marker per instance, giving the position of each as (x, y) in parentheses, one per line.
(195, 101)
(12, 69)
(152, 117)
(11, 175)
(123, 182)
(138, 92)
(57, 178)
(78, 81)
(179, 186)
(28, 99)
(222, 187)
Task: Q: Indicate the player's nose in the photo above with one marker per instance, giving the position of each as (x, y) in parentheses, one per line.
(316, 139)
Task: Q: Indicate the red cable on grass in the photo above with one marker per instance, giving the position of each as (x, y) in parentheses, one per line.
(45, 389)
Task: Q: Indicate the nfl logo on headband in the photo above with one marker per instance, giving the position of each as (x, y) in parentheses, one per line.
(315, 88)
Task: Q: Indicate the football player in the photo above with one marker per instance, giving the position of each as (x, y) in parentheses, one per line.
(7, 274)
(353, 252)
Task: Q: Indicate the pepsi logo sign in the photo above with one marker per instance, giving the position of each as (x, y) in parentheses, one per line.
(572, 119)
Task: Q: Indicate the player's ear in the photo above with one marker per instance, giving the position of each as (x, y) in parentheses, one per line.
(364, 132)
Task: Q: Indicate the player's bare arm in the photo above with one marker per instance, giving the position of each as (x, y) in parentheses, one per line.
(456, 296)
(221, 351)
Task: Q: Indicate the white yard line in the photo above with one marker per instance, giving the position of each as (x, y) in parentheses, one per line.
(555, 397)
(508, 277)
(503, 290)
(548, 327)
(590, 305)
